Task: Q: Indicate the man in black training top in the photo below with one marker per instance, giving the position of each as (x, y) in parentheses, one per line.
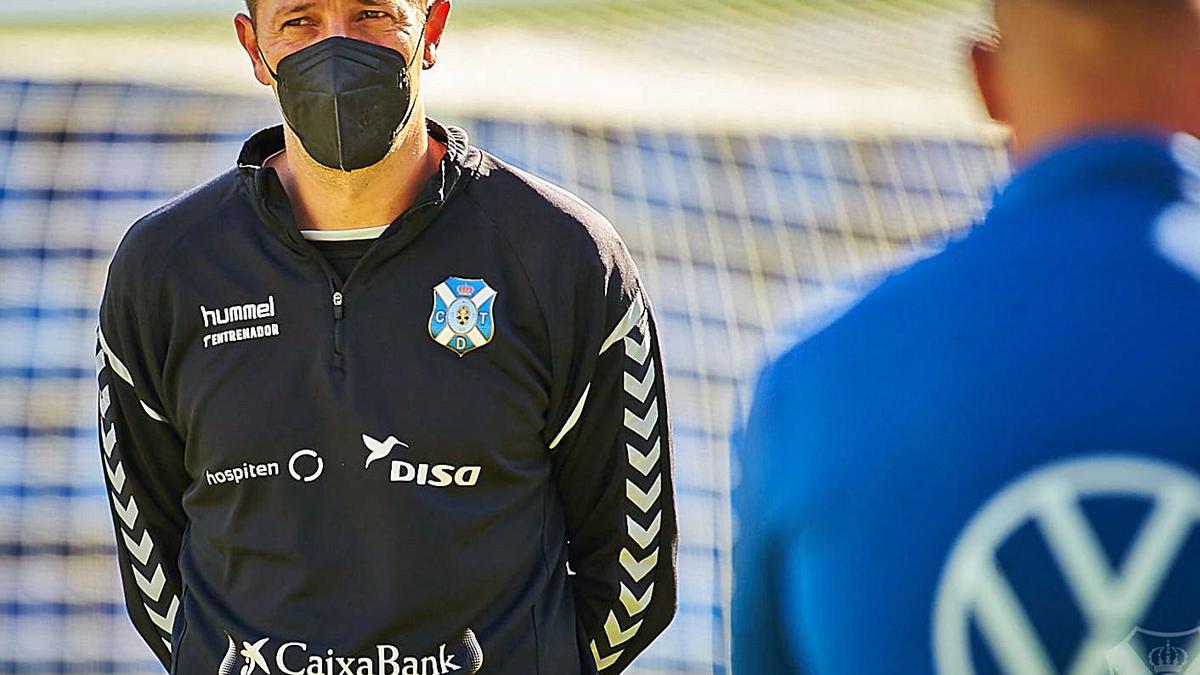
(365, 395)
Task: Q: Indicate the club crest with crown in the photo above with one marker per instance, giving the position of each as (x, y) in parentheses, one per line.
(1167, 659)
(463, 319)
(1147, 652)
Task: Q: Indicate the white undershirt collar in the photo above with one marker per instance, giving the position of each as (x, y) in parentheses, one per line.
(344, 235)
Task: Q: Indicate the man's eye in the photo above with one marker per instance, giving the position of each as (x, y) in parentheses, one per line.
(294, 22)
(374, 14)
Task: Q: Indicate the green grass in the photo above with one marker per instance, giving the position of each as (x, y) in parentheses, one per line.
(191, 29)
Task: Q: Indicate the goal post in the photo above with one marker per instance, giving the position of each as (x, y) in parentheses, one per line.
(766, 161)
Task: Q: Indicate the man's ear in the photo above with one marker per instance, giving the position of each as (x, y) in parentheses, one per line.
(984, 56)
(249, 39)
(439, 14)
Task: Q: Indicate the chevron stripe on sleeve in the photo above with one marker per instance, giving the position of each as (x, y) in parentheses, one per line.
(643, 439)
(143, 560)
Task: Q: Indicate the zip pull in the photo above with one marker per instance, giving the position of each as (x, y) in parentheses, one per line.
(338, 312)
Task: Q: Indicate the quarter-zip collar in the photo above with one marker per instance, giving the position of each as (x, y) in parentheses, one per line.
(262, 187)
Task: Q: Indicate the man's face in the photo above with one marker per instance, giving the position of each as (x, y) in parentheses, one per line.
(282, 27)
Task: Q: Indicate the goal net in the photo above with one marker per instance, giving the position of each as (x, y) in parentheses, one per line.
(766, 161)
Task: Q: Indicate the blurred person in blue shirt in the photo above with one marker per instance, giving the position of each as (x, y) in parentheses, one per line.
(991, 464)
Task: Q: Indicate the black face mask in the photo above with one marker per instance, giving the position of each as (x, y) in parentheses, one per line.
(345, 99)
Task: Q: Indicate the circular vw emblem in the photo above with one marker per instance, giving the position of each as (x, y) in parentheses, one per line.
(1112, 601)
(462, 315)
(308, 471)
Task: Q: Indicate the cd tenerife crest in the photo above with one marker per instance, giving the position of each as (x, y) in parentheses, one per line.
(462, 318)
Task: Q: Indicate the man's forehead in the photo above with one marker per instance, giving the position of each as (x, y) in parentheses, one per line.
(289, 6)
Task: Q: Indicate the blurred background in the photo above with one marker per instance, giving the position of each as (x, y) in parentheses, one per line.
(765, 160)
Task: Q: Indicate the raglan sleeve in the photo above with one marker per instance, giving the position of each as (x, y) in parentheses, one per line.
(612, 457)
(141, 456)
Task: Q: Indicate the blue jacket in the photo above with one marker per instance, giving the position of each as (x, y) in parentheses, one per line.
(990, 463)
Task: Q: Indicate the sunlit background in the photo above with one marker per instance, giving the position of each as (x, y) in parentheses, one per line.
(765, 160)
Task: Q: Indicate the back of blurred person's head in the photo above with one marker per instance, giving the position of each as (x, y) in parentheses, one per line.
(1064, 68)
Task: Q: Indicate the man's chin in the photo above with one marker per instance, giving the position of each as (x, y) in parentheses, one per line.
(313, 167)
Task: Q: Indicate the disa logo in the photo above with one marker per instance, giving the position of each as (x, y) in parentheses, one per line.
(431, 475)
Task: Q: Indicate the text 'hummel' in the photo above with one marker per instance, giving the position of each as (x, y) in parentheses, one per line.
(238, 314)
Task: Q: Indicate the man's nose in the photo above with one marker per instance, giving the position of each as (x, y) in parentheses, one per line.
(338, 27)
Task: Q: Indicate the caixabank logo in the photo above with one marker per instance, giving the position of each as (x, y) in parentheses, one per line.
(271, 657)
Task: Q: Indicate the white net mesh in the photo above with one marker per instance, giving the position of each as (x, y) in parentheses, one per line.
(745, 229)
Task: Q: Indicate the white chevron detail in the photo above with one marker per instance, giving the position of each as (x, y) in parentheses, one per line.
(643, 426)
(154, 415)
(638, 351)
(573, 419)
(632, 318)
(643, 500)
(616, 636)
(153, 586)
(109, 438)
(644, 463)
(606, 662)
(164, 622)
(640, 390)
(128, 514)
(117, 478)
(99, 358)
(638, 569)
(167, 643)
(635, 605)
(140, 550)
(118, 367)
(105, 400)
(644, 536)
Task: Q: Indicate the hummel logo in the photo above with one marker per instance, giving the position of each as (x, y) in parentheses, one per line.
(214, 318)
(238, 313)
(380, 449)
